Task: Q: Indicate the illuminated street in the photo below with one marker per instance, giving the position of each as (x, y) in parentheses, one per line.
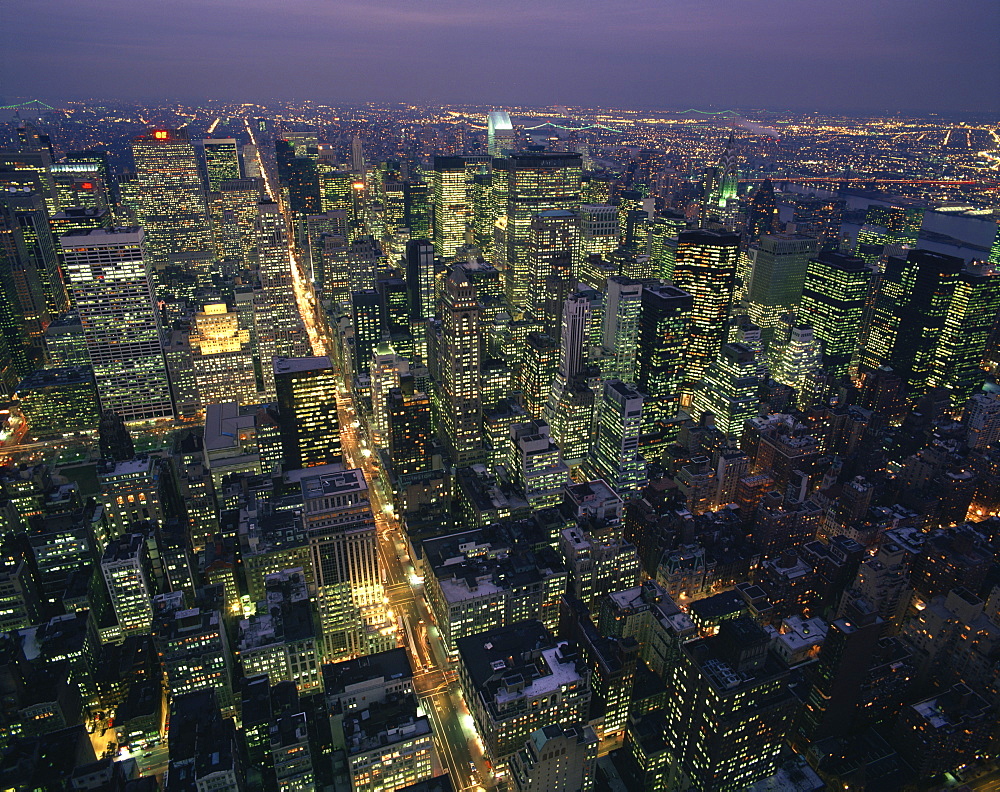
(434, 676)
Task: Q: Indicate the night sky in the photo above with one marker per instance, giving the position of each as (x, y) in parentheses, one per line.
(935, 55)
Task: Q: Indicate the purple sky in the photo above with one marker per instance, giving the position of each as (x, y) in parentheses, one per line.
(937, 55)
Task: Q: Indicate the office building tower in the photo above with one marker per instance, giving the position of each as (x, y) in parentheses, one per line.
(364, 257)
(972, 315)
(664, 316)
(556, 759)
(232, 207)
(706, 269)
(113, 293)
(387, 369)
(819, 218)
(57, 400)
(839, 673)
(417, 212)
(459, 368)
(26, 237)
(719, 201)
(222, 161)
(127, 573)
(762, 211)
(834, 294)
(338, 520)
(538, 371)
(552, 245)
(194, 647)
(731, 707)
(895, 225)
(410, 431)
(621, 326)
(909, 316)
(663, 231)
(452, 212)
(524, 185)
(616, 457)
(500, 136)
(358, 156)
(171, 196)
(29, 171)
(798, 364)
(598, 225)
(222, 357)
(366, 311)
(778, 271)
(536, 465)
(307, 410)
(729, 389)
(278, 323)
(420, 278)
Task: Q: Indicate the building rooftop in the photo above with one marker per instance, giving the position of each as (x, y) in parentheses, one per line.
(101, 237)
(393, 664)
(285, 365)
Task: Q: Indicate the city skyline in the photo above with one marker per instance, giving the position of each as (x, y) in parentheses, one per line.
(891, 57)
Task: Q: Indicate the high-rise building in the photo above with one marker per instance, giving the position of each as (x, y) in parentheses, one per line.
(222, 357)
(729, 389)
(128, 575)
(762, 211)
(171, 197)
(553, 240)
(538, 372)
(366, 312)
(524, 185)
(798, 362)
(420, 278)
(410, 433)
(834, 295)
(598, 234)
(616, 456)
(113, 292)
(459, 367)
(222, 161)
(307, 410)
(452, 210)
(338, 519)
(778, 271)
(664, 316)
(972, 314)
(819, 218)
(730, 708)
(909, 316)
(621, 326)
(705, 268)
(232, 209)
(500, 136)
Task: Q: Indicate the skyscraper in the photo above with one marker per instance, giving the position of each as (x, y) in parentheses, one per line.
(621, 326)
(233, 213)
(705, 268)
(459, 367)
(127, 573)
(552, 243)
(307, 411)
(222, 357)
(113, 292)
(778, 271)
(664, 316)
(171, 197)
(524, 185)
(500, 137)
(834, 294)
(420, 278)
(452, 211)
(222, 161)
(616, 456)
(729, 389)
(909, 316)
(762, 211)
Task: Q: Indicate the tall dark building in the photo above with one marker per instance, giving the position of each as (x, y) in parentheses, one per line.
(420, 278)
(366, 307)
(664, 316)
(840, 672)
(307, 411)
(909, 316)
(762, 211)
(410, 433)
